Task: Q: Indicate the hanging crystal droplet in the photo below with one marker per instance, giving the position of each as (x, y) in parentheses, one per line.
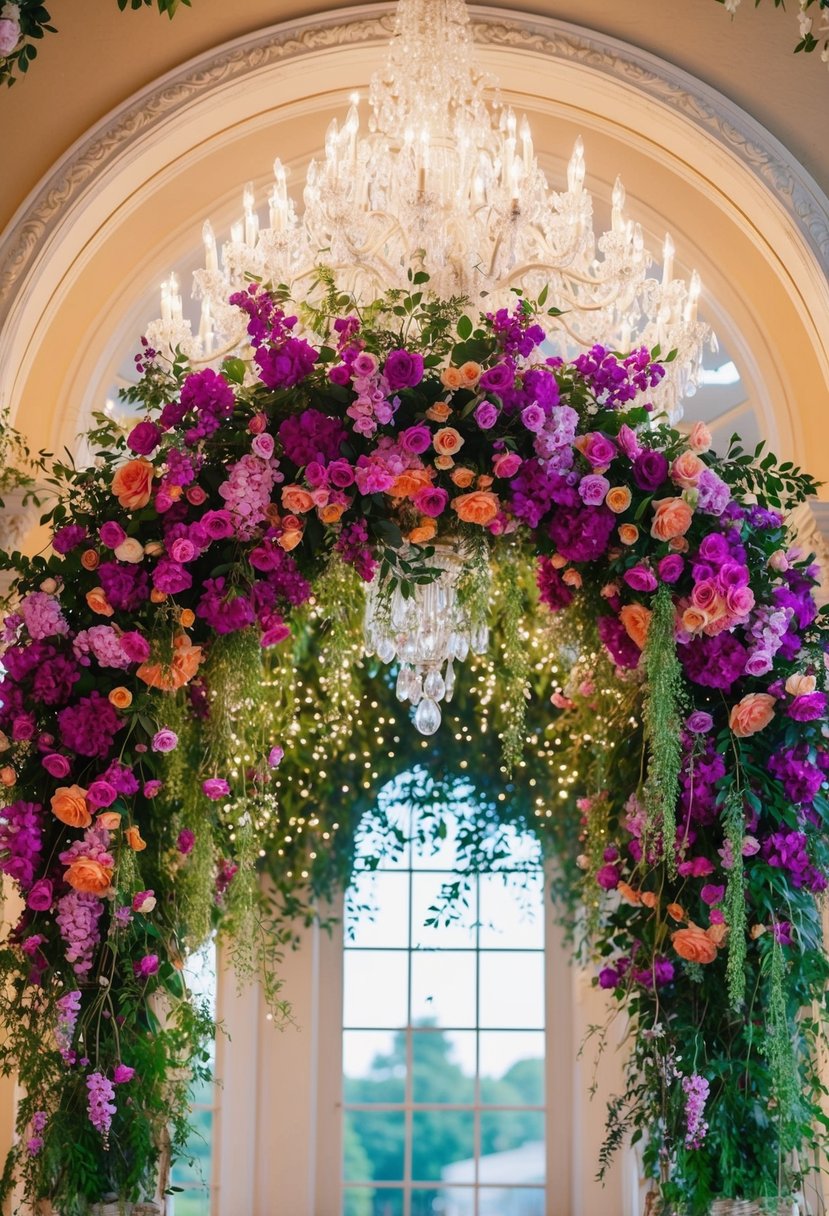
(433, 685)
(427, 716)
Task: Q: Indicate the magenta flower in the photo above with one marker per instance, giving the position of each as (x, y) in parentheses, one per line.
(185, 842)
(122, 1074)
(215, 788)
(165, 740)
(145, 967)
(486, 415)
(41, 896)
(275, 756)
(144, 438)
(56, 765)
(403, 369)
(415, 439)
(431, 500)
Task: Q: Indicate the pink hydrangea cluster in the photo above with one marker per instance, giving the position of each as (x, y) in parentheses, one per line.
(247, 492)
(100, 1102)
(43, 616)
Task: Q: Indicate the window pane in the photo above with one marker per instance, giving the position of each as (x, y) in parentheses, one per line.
(194, 1168)
(372, 1201)
(512, 1146)
(443, 988)
(373, 1146)
(441, 1140)
(498, 1202)
(191, 1203)
(512, 1067)
(374, 1066)
(512, 990)
(377, 910)
(427, 902)
(375, 988)
(443, 1066)
(449, 1201)
(512, 911)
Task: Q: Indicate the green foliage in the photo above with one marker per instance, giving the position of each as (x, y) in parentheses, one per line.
(663, 704)
(735, 898)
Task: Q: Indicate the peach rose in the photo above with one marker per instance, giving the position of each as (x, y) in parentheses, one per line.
(451, 378)
(424, 532)
(90, 559)
(649, 899)
(636, 619)
(439, 412)
(753, 713)
(444, 462)
(120, 697)
(558, 561)
(132, 484)
(130, 550)
(628, 534)
(484, 481)
(408, 483)
(479, 507)
(679, 544)
(676, 911)
(470, 373)
(296, 500)
(572, 578)
(133, 838)
(110, 820)
(462, 477)
(96, 600)
(289, 539)
(618, 499)
(332, 513)
(694, 619)
(700, 438)
(717, 933)
(757, 931)
(88, 876)
(778, 561)
(798, 684)
(686, 469)
(694, 945)
(157, 596)
(176, 673)
(8, 776)
(154, 548)
(447, 441)
(70, 807)
(671, 517)
(628, 894)
(186, 618)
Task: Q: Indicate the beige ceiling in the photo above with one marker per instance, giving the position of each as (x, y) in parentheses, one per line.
(101, 56)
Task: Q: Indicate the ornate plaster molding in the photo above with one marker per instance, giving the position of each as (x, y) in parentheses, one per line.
(810, 522)
(92, 157)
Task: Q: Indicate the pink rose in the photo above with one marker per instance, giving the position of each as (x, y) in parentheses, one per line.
(739, 600)
(9, 34)
(263, 446)
(257, 424)
(751, 714)
(700, 438)
(506, 464)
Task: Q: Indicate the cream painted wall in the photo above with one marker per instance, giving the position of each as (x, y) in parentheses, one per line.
(101, 56)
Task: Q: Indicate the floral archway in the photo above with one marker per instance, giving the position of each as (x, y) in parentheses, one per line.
(186, 700)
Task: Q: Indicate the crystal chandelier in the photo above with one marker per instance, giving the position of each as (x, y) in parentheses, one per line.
(444, 179)
(426, 633)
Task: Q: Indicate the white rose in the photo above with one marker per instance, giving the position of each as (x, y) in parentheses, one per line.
(130, 550)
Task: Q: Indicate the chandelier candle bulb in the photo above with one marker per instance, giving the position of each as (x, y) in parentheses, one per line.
(668, 251)
(211, 259)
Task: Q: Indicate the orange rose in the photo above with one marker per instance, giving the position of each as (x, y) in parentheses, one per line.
(186, 618)
(676, 911)
(96, 600)
(679, 544)
(694, 944)
(671, 517)
(157, 596)
(628, 894)
(618, 499)
(408, 483)
(572, 578)
(132, 484)
(88, 876)
(479, 507)
(90, 559)
(484, 481)
(628, 534)
(462, 477)
(439, 412)
(296, 500)
(178, 672)
(757, 931)
(700, 438)
(470, 373)
(70, 807)
(133, 838)
(447, 441)
(120, 697)
(7, 776)
(444, 462)
(799, 684)
(636, 619)
(289, 539)
(754, 712)
(558, 561)
(109, 820)
(650, 899)
(331, 513)
(686, 469)
(451, 378)
(424, 532)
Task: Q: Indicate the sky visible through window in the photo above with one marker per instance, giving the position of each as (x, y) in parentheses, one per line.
(443, 1040)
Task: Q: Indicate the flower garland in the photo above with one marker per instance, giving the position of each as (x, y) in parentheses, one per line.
(158, 639)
